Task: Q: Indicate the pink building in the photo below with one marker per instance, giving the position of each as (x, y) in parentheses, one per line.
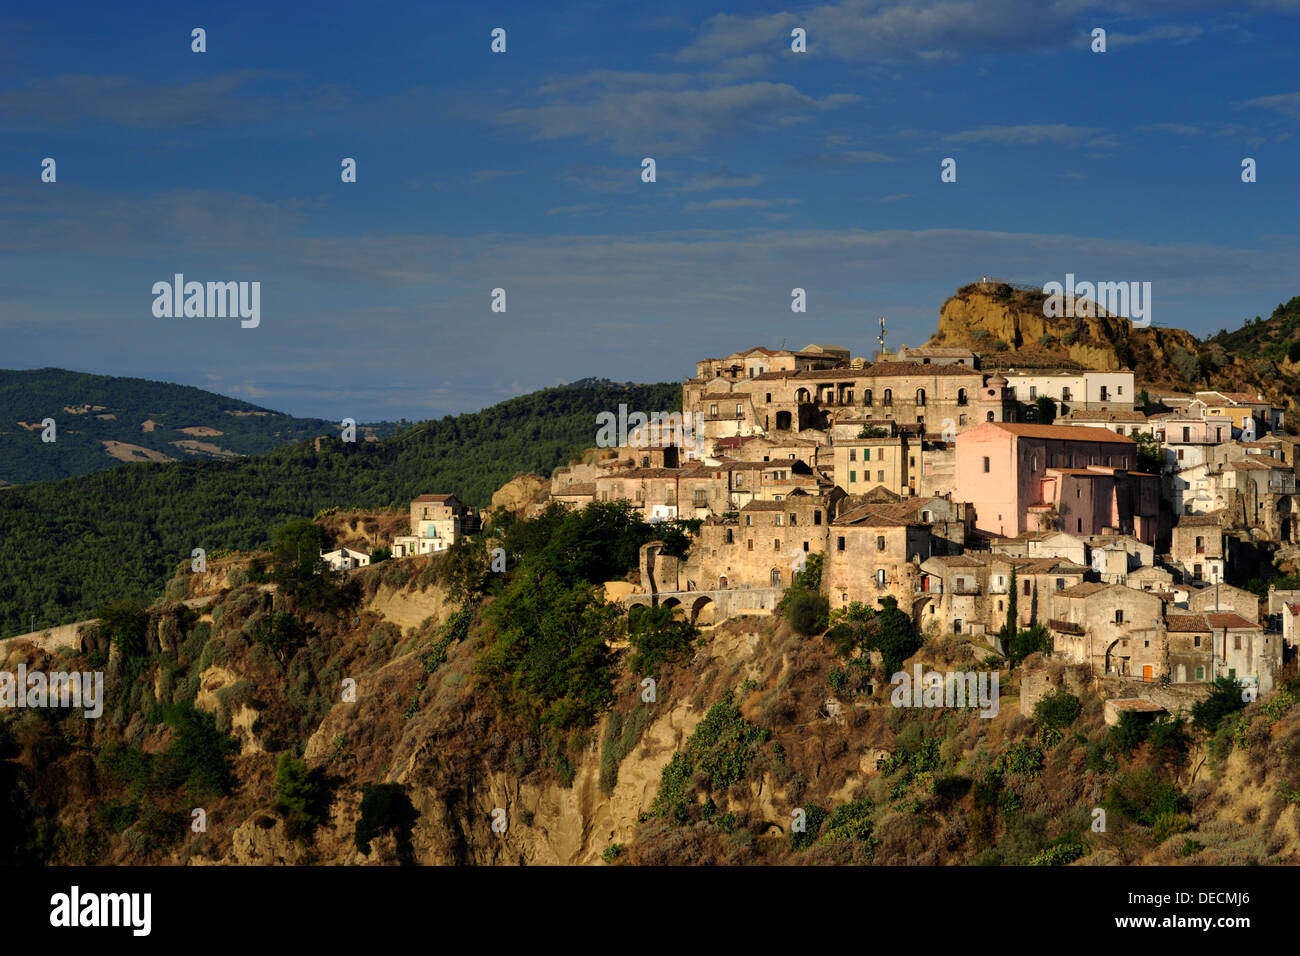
(1025, 478)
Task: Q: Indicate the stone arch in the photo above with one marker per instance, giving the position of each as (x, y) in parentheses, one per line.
(704, 610)
(802, 396)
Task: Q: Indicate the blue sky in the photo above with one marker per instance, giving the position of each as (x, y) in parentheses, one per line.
(522, 171)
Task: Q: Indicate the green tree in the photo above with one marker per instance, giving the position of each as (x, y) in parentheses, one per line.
(1045, 410)
(1150, 456)
(1224, 700)
(125, 622)
(658, 639)
(301, 796)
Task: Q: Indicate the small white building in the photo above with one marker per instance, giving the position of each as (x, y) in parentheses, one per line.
(345, 559)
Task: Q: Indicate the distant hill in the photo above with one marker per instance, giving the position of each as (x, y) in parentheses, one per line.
(70, 545)
(102, 421)
(1007, 327)
(1276, 339)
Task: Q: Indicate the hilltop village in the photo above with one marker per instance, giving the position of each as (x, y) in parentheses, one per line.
(1121, 520)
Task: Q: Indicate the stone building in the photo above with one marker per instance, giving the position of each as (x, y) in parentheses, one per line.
(871, 554)
(1196, 549)
(1115, 629)
(1022, 477)
(437, 522)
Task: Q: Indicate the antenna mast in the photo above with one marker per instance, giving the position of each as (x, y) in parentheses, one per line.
(883, 333)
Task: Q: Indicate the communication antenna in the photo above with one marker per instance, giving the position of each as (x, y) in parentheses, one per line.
(883, 333)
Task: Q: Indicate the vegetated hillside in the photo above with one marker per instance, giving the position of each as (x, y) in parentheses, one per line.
(70, 545)
(102, 421)
(1007, 327)
(1276, 338)
(523, 693)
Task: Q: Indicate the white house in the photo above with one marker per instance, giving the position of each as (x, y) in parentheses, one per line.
(345, 559)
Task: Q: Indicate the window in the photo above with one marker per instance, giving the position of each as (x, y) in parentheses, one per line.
(1060, 584)
(986, 465)
(1236, 642)
(866, 454)
(749, 520)
(817, 516)
(880, 477)
(1078, 524)
(1196, 642)
(1119, 615)
(853, 477)
(911, 461)
(794, 519)
(853, 454)
(920, 396)
(961, 419)
(1027, 583)
(880, 578)
(769, 397)
(730, 536)
(1033, 392)
(880, 542)
(780, 520)
(776, 544)
(866, 396)
(805, 545)
(999, 605)
(839, 543)
(749, 545)
(713, 411)
(961, 396)
(889, 396)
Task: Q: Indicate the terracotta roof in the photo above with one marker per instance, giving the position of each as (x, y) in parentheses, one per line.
(1086, 589)
(1079, 415)
(1060, 432)
(1237, 398)
(578, 489)
(1196, 521)
(957, 560)
(1136, 704)
(1065, 627)
(1222, 619)
(433, 497)
(896, 369)
(1185, 623)
(871, 516)
(733, 441)
(764, 506)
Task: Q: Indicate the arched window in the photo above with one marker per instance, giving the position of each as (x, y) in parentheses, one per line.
(920, 396)
(889, 396)
(866, 396)
(990, 418)
(880, 578)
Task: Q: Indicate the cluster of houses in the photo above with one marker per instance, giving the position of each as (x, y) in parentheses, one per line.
(437, 522)
(922, 477)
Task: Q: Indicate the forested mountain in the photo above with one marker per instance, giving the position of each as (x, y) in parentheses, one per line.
(102, 421)
(69, 545)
